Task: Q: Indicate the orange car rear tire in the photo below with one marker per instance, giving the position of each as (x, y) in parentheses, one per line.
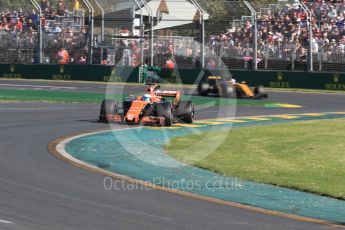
(164, 110)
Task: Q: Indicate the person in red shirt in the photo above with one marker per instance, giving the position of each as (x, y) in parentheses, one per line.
(170, 64)
(19, 26)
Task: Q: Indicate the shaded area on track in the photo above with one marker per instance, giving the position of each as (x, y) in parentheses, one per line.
(119, 152)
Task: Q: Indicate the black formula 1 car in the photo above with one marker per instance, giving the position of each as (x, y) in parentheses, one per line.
(152, 108)
(226, 87)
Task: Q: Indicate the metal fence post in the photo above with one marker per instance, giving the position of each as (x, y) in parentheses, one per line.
(91, 32)
(202, 22)
(102, 22)
(293, 59)
(321, 54)
(310, 28)
(91, 25)
(255, 39)
(40, 38)
(149, 10)
(141, 37)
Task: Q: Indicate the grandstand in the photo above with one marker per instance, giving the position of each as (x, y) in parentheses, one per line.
(270, 34)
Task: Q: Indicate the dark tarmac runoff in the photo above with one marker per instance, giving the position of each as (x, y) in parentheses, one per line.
(39, 191)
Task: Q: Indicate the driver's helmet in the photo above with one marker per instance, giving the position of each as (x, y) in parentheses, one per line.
(146, 97)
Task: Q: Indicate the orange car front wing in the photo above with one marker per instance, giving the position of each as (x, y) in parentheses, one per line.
(144, 120)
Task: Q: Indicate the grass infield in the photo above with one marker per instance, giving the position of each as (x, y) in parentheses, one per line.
(96, 98)
(307, 156)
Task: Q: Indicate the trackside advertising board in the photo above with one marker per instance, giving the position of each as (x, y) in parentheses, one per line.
(103, 73)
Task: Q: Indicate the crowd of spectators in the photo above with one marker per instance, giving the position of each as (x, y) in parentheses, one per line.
(62, 27)
(164, 47)
(18, 28)
(284, 34)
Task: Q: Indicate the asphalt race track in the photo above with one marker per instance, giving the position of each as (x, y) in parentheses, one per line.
(39, 191)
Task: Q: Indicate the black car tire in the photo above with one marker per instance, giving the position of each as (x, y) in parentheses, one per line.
(164, 110)
(185, 111)
(227, 91)
(126, 105)
(108, 107)
(202, 89)
(259, 90)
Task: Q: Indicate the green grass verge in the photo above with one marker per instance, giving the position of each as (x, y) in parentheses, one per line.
(50, 96)
(311, 91)
(308, 156)
(90, 97)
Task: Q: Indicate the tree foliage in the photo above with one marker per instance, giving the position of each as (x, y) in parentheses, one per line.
(15, 5)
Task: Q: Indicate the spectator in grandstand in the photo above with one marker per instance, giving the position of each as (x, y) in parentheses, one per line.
(56, 29)
(62, 56)
(81, 60)
(34, 17)
(314, 46)
(170, 64)
(68, 36)
(82, 36)
(339, 47)
(61, 8)
(76, 5)
(211, 64)
(32, 36)
(19, 25)
(45, 6)
(29, 25)
(288, 47)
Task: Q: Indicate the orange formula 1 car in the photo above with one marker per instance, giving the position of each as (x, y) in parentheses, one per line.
(154, 107)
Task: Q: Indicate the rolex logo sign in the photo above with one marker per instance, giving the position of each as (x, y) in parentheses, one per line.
(336, 84)
(12, 68)
(62, 76)
(11, 73)
(62, 69)
(336, 78)
(279, 83)
(113, 76)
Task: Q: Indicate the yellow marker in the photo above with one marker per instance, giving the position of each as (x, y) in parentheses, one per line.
(285, 116)
(210, 122)
(158, 128)
(313, 114)
(234, 120)
(188, 125)
(341, 113)
(257, 118)
(290, 106)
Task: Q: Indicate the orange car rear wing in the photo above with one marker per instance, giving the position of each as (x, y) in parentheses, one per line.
(170, 93)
